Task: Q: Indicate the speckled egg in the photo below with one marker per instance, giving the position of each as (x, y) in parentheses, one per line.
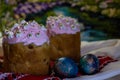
(89, 64)
(65, 67)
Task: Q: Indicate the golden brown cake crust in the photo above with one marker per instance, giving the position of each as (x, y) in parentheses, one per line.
(30, 59)
(65, 45)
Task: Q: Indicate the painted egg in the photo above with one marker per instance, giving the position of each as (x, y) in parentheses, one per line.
(65, 67)
(89, 64)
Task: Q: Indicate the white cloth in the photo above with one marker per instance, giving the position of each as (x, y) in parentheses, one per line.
(106, 47)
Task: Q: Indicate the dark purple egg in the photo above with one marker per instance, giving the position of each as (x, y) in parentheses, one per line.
(89, 64)
(65, 67)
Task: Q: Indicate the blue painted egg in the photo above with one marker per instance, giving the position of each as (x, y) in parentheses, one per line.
(65, 67)
(89, 64)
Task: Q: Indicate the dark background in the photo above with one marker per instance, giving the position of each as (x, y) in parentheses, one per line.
(99, 19)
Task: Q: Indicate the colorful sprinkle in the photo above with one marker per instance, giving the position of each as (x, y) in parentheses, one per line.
(29, 35)
(37, 34)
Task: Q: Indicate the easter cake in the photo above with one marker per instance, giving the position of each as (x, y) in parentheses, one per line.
(64, 33)
(26, 49)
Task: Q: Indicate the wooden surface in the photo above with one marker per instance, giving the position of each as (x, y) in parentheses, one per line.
(117, 77)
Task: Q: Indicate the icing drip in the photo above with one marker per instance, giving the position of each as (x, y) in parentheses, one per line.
(27, 33)
(61, 24)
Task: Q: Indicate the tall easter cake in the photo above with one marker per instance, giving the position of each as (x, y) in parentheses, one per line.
(64, 33)
(26, 49)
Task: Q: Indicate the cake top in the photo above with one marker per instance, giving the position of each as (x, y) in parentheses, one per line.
(61, 25)
(27, 33)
